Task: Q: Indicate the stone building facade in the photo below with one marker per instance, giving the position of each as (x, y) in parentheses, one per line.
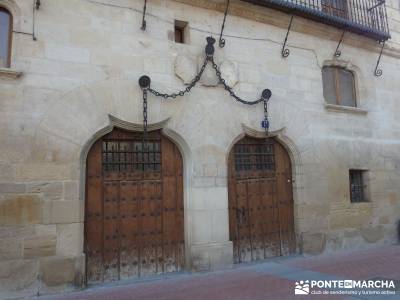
(78, 80)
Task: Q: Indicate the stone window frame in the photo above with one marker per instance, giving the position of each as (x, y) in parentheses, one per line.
(15, 11)
(10, 36)
(365, 180)
(359, 108)
(184, 26)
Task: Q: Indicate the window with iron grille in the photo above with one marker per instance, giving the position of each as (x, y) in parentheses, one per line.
(358, 186)
(254, 157)
(339, 86)
(131, 156)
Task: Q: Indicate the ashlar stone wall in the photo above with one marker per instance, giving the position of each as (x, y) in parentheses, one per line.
(84, 67)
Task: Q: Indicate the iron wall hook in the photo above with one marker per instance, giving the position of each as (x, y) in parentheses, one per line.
(337, 51)
(144, 16)
(285, 51)
(378, 72)
(222, 40)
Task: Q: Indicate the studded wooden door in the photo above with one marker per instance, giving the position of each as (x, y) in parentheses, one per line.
(134, 207)
(261, 222)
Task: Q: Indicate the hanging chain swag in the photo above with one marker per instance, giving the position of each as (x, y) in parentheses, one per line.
(145, 82)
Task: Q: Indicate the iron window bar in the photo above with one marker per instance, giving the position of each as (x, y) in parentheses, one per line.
(364, 17)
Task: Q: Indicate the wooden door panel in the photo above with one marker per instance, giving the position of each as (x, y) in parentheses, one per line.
(271, 224)
(111, 233)
(285, 204)
(244, 233)
(261, 221)
(129, 229)
(255, 220)
(134, 214)
(149, 211)
(94, 250)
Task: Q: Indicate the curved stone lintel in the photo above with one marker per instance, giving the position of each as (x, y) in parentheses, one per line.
(261, 134)
(115, 122)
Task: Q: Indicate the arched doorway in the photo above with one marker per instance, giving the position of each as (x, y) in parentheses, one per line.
(261, 221)
(134, 218)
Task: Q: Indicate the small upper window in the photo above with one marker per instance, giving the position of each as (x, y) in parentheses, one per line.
(181, 32)
(338, 84)
(5, 38)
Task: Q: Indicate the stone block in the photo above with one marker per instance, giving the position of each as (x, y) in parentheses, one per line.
(12, 188)
(372, 234)
(60, 271)
(40, 246)
(50, 190)
(7, 173)
(18, 278)
(209, 198)
(213, 256)
(16, 231)
(185, 68)
(45, 230)
(10, 248)
(313, 243)
(69, 54)
(201, 226)
(71, 190)
(229, 71)
(20, 210)
(220, 226)
(42, 171)
(209, 78)
(69, 239)
(203, 181)
(58, 212)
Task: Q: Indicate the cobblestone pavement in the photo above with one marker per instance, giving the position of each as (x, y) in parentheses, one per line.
(271, 279)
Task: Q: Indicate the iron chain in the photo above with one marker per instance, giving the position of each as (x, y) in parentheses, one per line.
(266, 127)
(229, 89)
(188, 88)
(145, 82)
(197, 79)
(145, 119)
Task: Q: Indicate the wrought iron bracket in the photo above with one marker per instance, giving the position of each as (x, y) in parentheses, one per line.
(337, 51)
(222, 40)
(144, 24)
(285, 51)
(378, 72)
(36, 6)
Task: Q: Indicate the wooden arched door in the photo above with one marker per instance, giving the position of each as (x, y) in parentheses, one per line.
(134, 223)
(261, 221)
